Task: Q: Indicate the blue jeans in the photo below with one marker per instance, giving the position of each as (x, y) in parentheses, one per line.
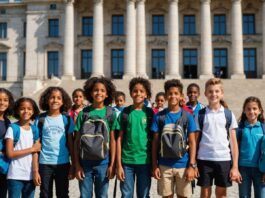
(251, 175)
(19, 188)
(3, 184)
(143, 181)
(97, 175)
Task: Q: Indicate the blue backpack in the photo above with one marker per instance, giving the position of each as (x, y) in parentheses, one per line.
(4, 161)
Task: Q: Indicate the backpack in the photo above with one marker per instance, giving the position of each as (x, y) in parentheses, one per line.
(173, 136)
(94, 140)
(16, 135)
(4, 161)
(262, 151)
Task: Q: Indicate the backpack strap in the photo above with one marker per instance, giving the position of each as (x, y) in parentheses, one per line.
(41, 123)
(161, 120)
(183, 120)
(124, 116)
(35, 132)
(16, 132)
(263, 128)
(228, 118)
(66, 122)
(109, 115)
(201, 116)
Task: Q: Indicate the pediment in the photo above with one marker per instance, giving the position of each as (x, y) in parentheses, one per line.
(220, 8)
(190, 40)
(4, 46)
(250, 7)
(221, 39)
(188, 8)
(116, 41)
(158, 41)
(158, 8)
(52, 45)
(85, 42)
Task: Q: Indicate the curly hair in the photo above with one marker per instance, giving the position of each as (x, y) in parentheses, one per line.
(78, 90)
(144, 82)
(110, 88)
(9, 110)
(18, 103)
(193, 85)
(243, 116)
(44, 98)
(173, 83)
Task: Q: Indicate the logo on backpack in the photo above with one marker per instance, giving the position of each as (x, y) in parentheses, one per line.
(94, 141)
(173, 143)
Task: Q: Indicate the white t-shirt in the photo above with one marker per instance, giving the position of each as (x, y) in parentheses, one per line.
(21, 168)
(214, 144)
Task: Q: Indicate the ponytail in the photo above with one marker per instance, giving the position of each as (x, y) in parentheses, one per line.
(224, 104)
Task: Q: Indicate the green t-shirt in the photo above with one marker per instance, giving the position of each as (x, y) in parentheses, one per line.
(136, 143)
(94, 112)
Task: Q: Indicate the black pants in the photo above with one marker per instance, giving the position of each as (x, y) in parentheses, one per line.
(3, 186)
(60, 174)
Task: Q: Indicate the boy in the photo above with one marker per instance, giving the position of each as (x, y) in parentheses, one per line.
(134, 142)
(193, 93)
(174, 170)
(119, 99)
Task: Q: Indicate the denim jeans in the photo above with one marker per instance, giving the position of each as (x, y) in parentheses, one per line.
(251, 175)
(3, 186)
(59, 173)
(97, 175)
(143, 181)
(19, 188)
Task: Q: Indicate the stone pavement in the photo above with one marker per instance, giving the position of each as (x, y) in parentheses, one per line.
(74, 191)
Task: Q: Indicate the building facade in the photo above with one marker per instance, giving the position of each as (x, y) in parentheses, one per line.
(158, 39)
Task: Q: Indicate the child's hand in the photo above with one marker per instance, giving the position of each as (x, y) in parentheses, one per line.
(235, 175)
(110, 172)
(156, 173)
(36, 178)
(79, 173)
(36, 147)
(190, 174)
(71, 174)
(120, 173)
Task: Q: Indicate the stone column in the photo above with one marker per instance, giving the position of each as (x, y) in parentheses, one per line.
(237, 70)
(263, 37)
(173, 41)
(140, 39)
(130, 48)
(68, 58)
(206, 41)
(98, 39)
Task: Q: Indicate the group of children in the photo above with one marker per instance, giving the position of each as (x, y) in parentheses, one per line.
(175, 144)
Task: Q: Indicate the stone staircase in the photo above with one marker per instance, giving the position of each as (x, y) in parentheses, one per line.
(235, 91)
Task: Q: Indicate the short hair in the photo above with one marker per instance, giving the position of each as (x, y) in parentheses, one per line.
(44, 98)
(118, 94)
(9, 110)
(110, 88)
(160, 94)
(78, 90)
(144, 82)
(36, 110)
(193, 85)
(173, 83)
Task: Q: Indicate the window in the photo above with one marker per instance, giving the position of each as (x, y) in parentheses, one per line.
(190, 60)
(86, 63)
(53, 27)
(3, 65)
(158, 25)
(219, 24)
(53, 6)
(24, 29)
(250, 62)
(24, 63)
(53, 64)
(249, 24)
(87, 26)
(117, 25)
(117, 63)
(158, 63)
(220, 63)
(189, 25)
(3, 30)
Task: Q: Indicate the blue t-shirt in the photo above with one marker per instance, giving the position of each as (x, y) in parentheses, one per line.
(195, 109)
(172, 118)
(53, 145)
(250, 142)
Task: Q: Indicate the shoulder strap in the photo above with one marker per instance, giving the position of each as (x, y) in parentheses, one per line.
(201, 116)
(161, 120)
(66, 121)
(86, 113)
(35, 132)
(263, 128)
(7, 122)
(124, 116)
(41, 123)
(16, 132)
(109, 114)
(228, 117)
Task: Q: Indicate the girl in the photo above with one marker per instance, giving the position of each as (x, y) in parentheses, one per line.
(218, 146)
(99, 92)
(249, 135)
(20, 147)
(78, 98)
(160, 101)
(56, 129)
(6, 107)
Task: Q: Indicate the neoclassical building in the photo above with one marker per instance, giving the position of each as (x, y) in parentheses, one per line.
(74, 39)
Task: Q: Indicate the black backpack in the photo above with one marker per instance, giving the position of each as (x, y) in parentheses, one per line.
(94, 140)
(173, 136)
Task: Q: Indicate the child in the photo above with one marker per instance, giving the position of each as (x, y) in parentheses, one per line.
(174, 171)
(218, 150)
(94, 160)
(160, 101)
(134, 141)
(119, 101)
(193, 93)
(78, 99)
(55, 128)
(250, 133)
(21, 146)
(6, 108)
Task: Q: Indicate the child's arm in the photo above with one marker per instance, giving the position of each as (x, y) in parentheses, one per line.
(79, 173)
(156, 170)
(192, 172)
(71, 150)
(234, 173)
(120, 171)
(35, 169)
(111, 168)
